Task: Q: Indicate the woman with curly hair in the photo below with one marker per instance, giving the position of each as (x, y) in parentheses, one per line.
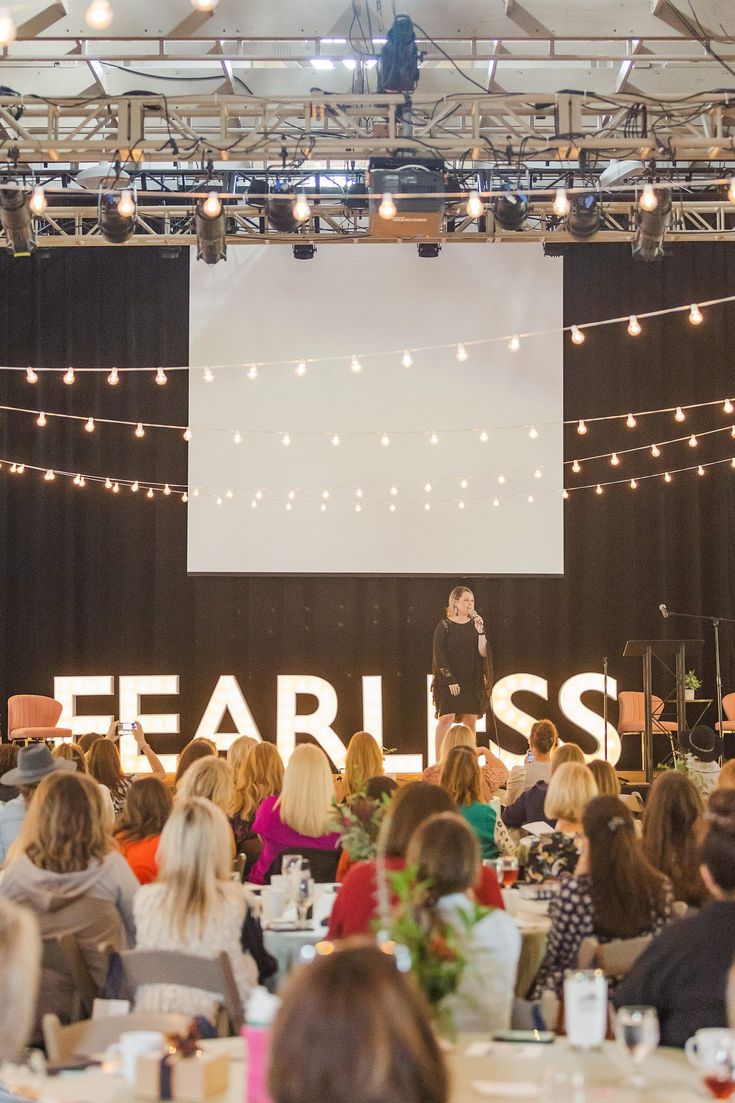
(258, 776)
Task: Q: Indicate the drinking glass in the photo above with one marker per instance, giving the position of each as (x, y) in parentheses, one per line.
(637, 1034)
(712, 1051)
(290, 867)
(507, 870)
(304, 896)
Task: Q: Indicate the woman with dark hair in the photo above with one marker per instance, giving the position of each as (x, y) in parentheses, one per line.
(192, 752)
(356, 905)
(461, 665)
(461, 779)
(683, 973)
(147, 807)
(615, 892)
(105, 766)
(352, 1029)
(672, 825)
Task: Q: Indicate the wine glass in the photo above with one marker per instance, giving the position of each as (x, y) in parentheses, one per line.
(507, 871)
(637, 1034)
(304, 895)
(290, 867)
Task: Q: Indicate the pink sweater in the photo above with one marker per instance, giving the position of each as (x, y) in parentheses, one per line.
(278, 836)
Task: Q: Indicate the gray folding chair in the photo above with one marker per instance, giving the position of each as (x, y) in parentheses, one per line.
(189, 971)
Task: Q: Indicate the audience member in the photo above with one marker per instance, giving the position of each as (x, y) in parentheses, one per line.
(702, 749)
(20, 955)
(210, 778)
(8, 762)
(380, 1044)
(726, 777)
(683, 973)
(73, 752)
(147, 807)
(301, 816)
(571, 788)
(192, 752)
(356, 904)
(104, 765)
(605, 777)
(615, 892)
(193, 906)
(87, 741)
(672, 824)
(364, 760)
(446, 854)
(494, 773)
(239, 750)
(35, 762)
(529, 807)
(258, 776)
(461, 779)
(537, 763)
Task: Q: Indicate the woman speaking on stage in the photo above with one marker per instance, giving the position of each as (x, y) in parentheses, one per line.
(462, 672)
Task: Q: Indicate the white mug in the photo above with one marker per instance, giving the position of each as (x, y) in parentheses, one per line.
(585, 1007)
(711, 1048)
(133, 1044)
(273, 900)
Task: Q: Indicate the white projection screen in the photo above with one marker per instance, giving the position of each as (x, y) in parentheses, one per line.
(263, 306)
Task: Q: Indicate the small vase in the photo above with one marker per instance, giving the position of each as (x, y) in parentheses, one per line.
(689, 694)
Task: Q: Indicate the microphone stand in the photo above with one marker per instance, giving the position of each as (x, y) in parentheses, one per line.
(715, 622)
(604, 700)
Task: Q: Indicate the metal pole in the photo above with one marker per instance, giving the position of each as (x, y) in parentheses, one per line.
(604, 700)
(718, 685)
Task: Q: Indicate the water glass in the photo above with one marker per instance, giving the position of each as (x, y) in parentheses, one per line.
(585, 1008)
(637, 1034)
(304, 896)
(290, 868)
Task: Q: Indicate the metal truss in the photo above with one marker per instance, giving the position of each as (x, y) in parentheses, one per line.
(482, 129)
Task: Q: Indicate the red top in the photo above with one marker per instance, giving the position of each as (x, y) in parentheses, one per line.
(141, 857)
(355, 906)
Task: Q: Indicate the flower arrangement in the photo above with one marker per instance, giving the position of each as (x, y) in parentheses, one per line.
(358, 823)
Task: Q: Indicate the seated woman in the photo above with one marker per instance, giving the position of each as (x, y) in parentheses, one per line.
(260, 775)
(147, 807)
(302, 816)
(494, 773)
(364, 760)
(672, 824)
(615, 893)
(211, 778)
(356, 904)
(20, 956)
(239, 750)
(381, 1045)
(552, 856)
(446, 855)
(683, 973)
(192, 752)
(529, 806)
(461, 779)
(542, 742)
(193, 906)
(104, 765)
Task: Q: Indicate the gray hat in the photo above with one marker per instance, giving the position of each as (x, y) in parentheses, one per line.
(34, 762)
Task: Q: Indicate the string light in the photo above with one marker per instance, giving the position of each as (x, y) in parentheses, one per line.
(187, 434)
(630, 421)
(355, 365)
(8, 29)
(427, 506)
(576, 467)
(212, 206)
(113, 378)
(301, 209)
(695, 315)
(108, 483)
(648, 200)
(728, 407)
(464, 484)
(68, 376)
(204, 5)
(392, 507)
(336, 441)
(167, 491)
(533, 432)
(31, 375)
(732, 431)
(561, 205)
(291, 494)
(99, 15)
(285, 440)
(387, 208)
(598, 489)
(126, 204)
(700, 470)
(538, 473)
(325, 495)
(483, 436)
(406, 359)
(565, 493)
(529, 499)
(161, 377)
(38, 201)
(693, 442)
(434, 438)
(655, 451)
(578, 336)
(358, 493)
(501, 480)
(89, 425)
(49, 476)
(258, 494)
(581, 427)
(237, 437)
(462, 354)
(139, 430)
(323, 507)
(116, 488)
(208, 375)
(475, 207)
(385, 440)
(253, 504)
(679, 415)
(149, 494)
(460, 504)
(252, 372)
(394, 490)
(184, 497)
(634, 326)
(614, 460)
(428, 488)
(667, 477)
(633, 484)
(300, 368)
(358, 507)
(135, 487)
(496, 502)
(515, 343)
(41, 420)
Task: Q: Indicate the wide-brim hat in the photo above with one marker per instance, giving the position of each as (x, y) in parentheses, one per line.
(34, 763)
(702, 742)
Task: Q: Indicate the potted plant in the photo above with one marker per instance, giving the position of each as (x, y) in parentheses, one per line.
(691, 684)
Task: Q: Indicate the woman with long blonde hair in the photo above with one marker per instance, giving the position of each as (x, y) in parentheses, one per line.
(302, 815)
(258, 776)
(193, 906)
(493, 774)
(364, 761)
(211, 778)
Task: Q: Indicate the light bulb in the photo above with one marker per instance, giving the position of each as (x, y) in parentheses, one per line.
(433, 439)
(679, 415)
(576, 467)
(655, 451)
(537, 473)
(195, 492)
(126, 204)
(614, 460)
(211, 207)
(358, 493)
(253, 371)
(385, 440)
(285, 440)
(99, 15)
(387, 208)
(560, 206)
(496, 502)
(577, 336)
(667, 477)
(358, 507)
(291, 494)
(462, 354)
(187, 434)
(204, 5)
(113, 378)
(336, 440)
(630, 421)
(732, 464)
(49, 476)
(135, 487)
(565, 493)
(598, 489)
(427, 506)
(460, 505)
(392, 507)
(475, 206)
(253, 504)
(323, 507)
(581, 427)
(89, 425)
(406, 359)
(301, 209)
(149, 494)
(648, 200)
(700, 470)
(161, 377)
(695, 315)
(693, 442)
(325, 495)
(41, 420)
(184, 497)
(69, 376)
(728, 407)
(208, 375)
(732, 431)
(108, 483)
(77, 480)
(394, 490)
(731, 190)
(115, 488)
(237, 437)
(483, 436)
(300, 368)
(633, 484)
(427, 488)
(355, 365)
(533, 432)
(501, 480)
(38, 201)
(139, 430)
(259, 494)
(8, 29)
(31, 376)
(634, 326)
(529, 499)
(464, 484)
(167, 491)
(515, 343)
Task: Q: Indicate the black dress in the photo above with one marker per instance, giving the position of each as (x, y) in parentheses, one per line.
(457, 660)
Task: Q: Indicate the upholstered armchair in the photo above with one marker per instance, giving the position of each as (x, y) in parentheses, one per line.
(33, 717)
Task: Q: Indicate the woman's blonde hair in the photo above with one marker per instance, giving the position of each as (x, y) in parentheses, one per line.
(210, 777)
(459, 735)
(364, 760)
(726, 780)
(238, 751)
(461, 776)
(567, 752)
(72, 752)
(258, 776)
(193, 861)
(605, 778)
(571, 788)
(305, 803)
(454, 597)
(20, 957)
(65, 829)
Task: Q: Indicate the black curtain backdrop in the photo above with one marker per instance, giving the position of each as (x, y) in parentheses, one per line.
(93, 583)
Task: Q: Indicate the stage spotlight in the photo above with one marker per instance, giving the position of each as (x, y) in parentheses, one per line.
(429, 249)
(510, 210)
(305, 251)
(583, 220)
(279, 211)
(117, 228)
(257, 191)
(357, 197)
(651, 227)
(210, 229)
(17, 221)
(398, 64)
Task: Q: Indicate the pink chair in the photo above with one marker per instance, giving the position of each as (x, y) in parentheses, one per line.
(33, 717)
(728, 708)
(632, 713)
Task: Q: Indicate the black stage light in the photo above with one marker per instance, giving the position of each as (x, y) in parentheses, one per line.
(651, 228)
(357, 197)
(398, 64)
(279, 210)
(17, 221)
(257, 191)
(510, 210)
(116, 227)
(583, 220)
(429, 249)
(305, 251)
(211, 230)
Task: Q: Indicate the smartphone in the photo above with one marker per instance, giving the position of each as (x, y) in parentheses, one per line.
(542, 1036)
(529, 757)
(124, 728)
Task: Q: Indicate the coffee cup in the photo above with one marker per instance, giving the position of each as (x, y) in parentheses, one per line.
(712, 1051)
(133, 1044)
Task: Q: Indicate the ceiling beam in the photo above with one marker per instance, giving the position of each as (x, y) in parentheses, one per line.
(667, 13)
(528, 23)
(191, 24)
(42, 20)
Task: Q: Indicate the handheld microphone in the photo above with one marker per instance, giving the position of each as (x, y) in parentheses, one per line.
(663, 611)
